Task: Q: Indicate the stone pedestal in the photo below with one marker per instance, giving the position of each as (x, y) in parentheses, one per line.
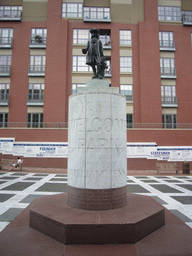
(97, 163)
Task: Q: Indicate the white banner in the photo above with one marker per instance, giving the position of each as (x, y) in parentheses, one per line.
(60, 150)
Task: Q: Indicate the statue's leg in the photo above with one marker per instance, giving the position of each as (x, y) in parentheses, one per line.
(94, 70)
(99, 72)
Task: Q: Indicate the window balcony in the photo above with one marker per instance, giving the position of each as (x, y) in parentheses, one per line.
(106, 41)
(169, 101)
(129, 97)
(36, 70)
(39, 42)
(108, 71)
(187, 18)
(4, 99)
(168, 72)
(10, 15)
(167, 45)
(6, 42)
(35, 99)
(5, 70)
(97, 14)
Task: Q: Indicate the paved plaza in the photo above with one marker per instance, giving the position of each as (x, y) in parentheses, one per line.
(18, 190)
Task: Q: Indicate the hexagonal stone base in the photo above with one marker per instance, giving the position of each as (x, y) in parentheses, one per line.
(53, 217)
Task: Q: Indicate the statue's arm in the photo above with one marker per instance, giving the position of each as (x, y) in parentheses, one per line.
(84, 51)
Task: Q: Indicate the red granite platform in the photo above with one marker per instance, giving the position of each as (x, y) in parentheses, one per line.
(174, 238)
(53, 216)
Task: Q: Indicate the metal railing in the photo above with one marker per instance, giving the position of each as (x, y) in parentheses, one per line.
(106, 41)
(35, 97)
(64, 125)
(6, 42)
(168, 72)
(169, 100)
(167, 45)
(37, 69)
(10, 14)
(129, 97)
(4, 98)
(38, 42)
(48, 125)
(5, 70)
(108, 71)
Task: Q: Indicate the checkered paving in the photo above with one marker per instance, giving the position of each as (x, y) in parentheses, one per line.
(18, 190)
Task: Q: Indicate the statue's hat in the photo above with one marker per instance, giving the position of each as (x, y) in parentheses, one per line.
(94, 31)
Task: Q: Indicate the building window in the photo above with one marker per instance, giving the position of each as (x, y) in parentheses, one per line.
(166, 39)
(35, 120)
(6, 36)
(169, 121)
(187, 17)
(81, 36)
(38, 35)
(167, 66)
(10, 11)
(76, 86)
(4, 92)
(168, 93)
(126, 64)
(127, 91)
(5, 60)
(36, 92)
(37, 63)
(3, 119)
(97, 13)
(125, 37)
(129, 118)
(169, 13)
(79, 64)
(5, 64)
(72, 10)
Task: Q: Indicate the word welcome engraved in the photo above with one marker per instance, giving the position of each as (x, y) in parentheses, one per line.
(97, 125)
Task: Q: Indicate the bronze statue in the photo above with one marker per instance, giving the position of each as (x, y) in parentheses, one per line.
(95, 57)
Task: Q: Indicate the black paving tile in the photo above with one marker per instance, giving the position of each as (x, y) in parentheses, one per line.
(186, 186)
(33, 178)
(182, 177)
(53, 187)
(150, 181)
(61, 175)
(166, 189)
(58, 179)
(41, 174)
(136, 189)
(141, 177)
(10, 214)
(159, 200)
(130, 181)
(19, 186)
(1, 173)
(183, 199)
(5, 197)
(19, 174)
(162, 177)
(29, 199)
(181, 216)
(1, 182)
(174, 181)
(8, 178)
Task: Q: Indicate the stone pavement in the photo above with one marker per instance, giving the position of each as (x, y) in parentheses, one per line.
(19, 189)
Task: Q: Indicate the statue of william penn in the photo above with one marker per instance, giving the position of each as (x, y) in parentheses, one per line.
(95, 57)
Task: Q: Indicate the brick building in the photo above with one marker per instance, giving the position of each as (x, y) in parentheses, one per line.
(148, 48)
